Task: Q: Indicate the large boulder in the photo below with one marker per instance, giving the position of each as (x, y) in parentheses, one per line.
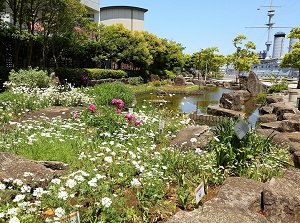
(233, 101)
(254, 86)
(265, 110)
(192, 137)
(154, 77)
(281, 108)
(239, 200)
(281, 198)
(17, 167)
(180, 80)
(274, 98)
(267, 118)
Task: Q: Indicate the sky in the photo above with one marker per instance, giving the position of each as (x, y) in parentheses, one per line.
(199, 24)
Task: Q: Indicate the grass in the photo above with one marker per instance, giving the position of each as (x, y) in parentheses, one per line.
(167, 87)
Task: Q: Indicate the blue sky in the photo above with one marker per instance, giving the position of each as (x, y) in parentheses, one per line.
(198, 24)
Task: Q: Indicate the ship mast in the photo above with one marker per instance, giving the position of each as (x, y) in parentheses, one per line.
(269, 26)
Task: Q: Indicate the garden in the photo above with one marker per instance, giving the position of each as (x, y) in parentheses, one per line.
(120, 165)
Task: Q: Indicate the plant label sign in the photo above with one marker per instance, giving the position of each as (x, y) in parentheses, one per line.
(161, 125)
(71, 218)
(241, 129)
(199, 192)
(130, 110)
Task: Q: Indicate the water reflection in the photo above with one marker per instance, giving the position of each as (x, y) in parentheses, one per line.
(190, 103)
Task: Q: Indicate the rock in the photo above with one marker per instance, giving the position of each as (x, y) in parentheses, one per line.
(254, 86)
(292, 174)
(245, 94)
(231, 101)
(289, 126)
(281, 200)
(227, 85)
(186, 137)
(198, 82)
(274, 98)
(15, 167)
(270, 125)
(293, 136)
(267, 118)
(54, 80)
(281, 108)
(180, 81)
(160, 92)
(291, 116)
(154, 77)
(238, 200)
(296, 158)
(266, 110)
(53, 165)
(213, 110)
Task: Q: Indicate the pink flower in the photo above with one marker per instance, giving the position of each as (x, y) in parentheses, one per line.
(129, 117)
(137, 122)
(75, 115)
(92, 107)
(118, 102)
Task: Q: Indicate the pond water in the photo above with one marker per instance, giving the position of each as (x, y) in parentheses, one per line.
(190, 103)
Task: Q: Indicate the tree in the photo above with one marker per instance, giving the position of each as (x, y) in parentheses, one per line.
(59, 19)
(209, 61)
(244, 55)
(292, 59)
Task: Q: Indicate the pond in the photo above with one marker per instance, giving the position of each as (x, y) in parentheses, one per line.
(190, 103)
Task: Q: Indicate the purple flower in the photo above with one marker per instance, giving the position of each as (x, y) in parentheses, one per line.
(75, 115)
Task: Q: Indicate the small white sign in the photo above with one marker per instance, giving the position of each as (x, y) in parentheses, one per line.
(241, 129)
(130, 110)
(71, 218)
(161, 125)
(199, 192)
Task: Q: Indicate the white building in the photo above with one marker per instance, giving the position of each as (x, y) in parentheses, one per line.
(93, 7)
(131, 17)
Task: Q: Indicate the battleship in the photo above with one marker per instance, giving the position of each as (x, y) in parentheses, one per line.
(270, 64)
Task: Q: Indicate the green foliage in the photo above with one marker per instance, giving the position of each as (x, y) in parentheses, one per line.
(235, 155)
(77, 77)
(261, 98)
(97, 74)
(135, 80)
(104, 93)
(32, 78)
(277, 85)
(244, 55)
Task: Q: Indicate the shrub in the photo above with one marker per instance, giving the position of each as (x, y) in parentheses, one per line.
(77, 77)
(105, 92)
(169, 74)
(135, 80)
(261, 98)
(145, 74)
(31, 78)
(278, 87)
(96, 74)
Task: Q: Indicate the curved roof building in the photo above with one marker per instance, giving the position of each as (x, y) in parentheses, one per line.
(131, 17)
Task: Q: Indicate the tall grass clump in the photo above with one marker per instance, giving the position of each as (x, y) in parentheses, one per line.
(104, 93)
(250, 156)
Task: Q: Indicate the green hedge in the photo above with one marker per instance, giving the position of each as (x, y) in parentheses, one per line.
(80, 77)
(97, 74)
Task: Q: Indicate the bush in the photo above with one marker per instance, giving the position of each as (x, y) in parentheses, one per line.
(261, 98)
(145, 74)
(4, 73)
(135, 80)
(105, 92)
(77, 77)
(278, 87)
(31, 78)
(97, 74)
